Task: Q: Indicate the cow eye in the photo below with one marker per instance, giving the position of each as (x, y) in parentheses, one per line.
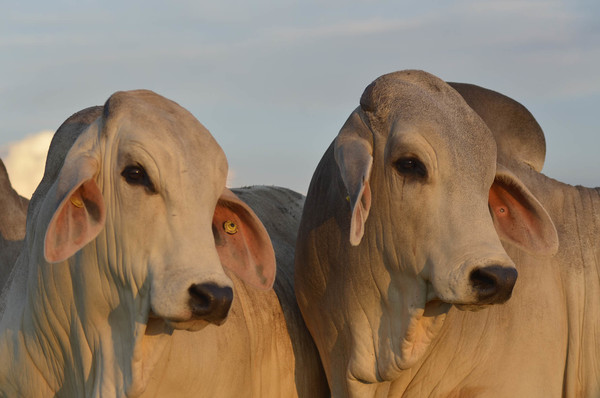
(136, 175)
(411, 166)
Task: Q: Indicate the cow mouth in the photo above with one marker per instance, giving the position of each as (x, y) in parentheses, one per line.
(436, 307)
(190, 325)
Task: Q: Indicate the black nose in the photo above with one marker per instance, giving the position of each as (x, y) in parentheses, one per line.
(493, 284)
(210, 302)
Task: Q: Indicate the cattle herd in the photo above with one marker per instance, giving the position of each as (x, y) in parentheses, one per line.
(430, 258)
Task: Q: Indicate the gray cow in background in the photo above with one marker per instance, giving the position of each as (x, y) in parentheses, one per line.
(13, 213)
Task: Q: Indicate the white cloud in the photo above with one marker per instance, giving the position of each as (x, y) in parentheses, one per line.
(25, 161)
(230, 178)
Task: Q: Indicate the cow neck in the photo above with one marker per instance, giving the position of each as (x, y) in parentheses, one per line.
(81, 336)
(575, 211)
(580, 269)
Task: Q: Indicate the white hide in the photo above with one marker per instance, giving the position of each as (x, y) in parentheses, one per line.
(119, 232)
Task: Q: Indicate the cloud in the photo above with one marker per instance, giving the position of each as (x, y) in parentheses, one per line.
(25, 161)
(230, 178)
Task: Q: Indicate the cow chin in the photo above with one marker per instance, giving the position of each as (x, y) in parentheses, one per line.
(471, 307)
(190, 326)
(424, 325)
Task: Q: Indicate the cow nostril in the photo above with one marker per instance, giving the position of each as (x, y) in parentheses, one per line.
(210, 302)
(493, 284)
(483, 281)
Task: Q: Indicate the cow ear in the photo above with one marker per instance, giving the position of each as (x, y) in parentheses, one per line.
(353, 154)
(519, 217)
(79, 212)
(242, 241)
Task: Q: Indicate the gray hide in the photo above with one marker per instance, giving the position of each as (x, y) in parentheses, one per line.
(517, 133)
(13, 212)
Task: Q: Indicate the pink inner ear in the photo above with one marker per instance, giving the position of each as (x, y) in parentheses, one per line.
(360, 214)
(521, 219)
(79, 219)
(243, 244)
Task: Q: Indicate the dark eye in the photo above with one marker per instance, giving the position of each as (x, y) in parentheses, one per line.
(136, 175)
(411, 167)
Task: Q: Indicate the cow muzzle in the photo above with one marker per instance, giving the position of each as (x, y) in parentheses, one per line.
(210, 302)
(493, 284)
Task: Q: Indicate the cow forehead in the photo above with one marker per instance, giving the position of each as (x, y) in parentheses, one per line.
(167, 131)
(419, 98)
(460, 141)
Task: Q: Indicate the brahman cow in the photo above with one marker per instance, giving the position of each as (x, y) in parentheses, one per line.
(127, 237)
(553, 316)
(13, 210)
(400, 234)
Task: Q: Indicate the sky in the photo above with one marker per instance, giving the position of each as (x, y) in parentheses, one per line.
(274, 80)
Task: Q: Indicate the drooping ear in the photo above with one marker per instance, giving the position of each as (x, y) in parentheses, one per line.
(519, 217)
(242, 241)
(79, 213)
(353, 151)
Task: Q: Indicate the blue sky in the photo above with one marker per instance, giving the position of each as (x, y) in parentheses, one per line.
(274, 80)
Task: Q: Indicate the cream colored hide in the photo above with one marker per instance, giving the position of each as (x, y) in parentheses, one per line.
(552, 321)
(120, 246)
(264, 348)
(13, 211)
(400, 230)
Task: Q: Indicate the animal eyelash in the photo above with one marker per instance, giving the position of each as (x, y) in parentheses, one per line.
(137, 175)
(411, 166)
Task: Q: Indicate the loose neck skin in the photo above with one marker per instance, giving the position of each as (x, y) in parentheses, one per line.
(75, 336)
(575, 211)
(363, 344)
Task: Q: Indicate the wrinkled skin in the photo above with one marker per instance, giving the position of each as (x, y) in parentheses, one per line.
(12, 226)
(121, 250)
(553, 318)
(402, 221)
(264, 348)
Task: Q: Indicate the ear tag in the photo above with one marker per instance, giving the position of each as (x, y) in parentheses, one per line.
(76, 202)
(230, 227)
(348, 198)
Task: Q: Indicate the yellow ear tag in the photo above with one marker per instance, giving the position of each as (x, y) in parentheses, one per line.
(76, 202)
(230, 227)
(348, 198)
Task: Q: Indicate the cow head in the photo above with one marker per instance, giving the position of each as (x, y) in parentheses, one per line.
(138, 226)
(421, 198)
(150, 176)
